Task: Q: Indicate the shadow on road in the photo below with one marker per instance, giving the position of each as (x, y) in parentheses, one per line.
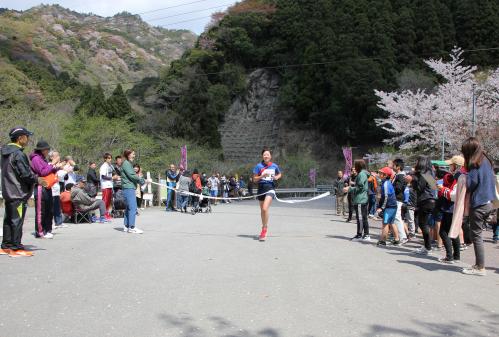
(218, 326)
(486, 324)
(430, 266)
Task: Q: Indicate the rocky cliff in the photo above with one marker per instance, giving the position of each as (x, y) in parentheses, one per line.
(252, 121)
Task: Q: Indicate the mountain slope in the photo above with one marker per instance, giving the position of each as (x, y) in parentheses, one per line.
(90, 48)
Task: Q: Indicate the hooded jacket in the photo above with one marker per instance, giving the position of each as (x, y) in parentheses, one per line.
(17, 177)
(40, 166)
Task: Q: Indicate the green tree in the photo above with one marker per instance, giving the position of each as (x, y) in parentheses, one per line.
(118, 105)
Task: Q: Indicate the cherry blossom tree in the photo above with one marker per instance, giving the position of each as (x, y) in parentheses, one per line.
(426, 121)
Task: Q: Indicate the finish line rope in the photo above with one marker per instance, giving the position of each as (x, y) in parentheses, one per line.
(201, 197)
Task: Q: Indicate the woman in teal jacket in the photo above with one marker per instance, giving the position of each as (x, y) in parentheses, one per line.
(360, 199)
(129, 181)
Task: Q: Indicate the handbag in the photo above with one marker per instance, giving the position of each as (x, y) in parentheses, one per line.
(495, 203)
(51, 180)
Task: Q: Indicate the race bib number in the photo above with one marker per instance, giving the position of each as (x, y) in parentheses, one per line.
(268, 174)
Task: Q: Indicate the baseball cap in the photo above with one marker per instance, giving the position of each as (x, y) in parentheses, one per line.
(386, 170)
(456, 160)
(80, 179)
(19, 131)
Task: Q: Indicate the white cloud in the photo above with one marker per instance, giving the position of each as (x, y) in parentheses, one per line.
(202, 8)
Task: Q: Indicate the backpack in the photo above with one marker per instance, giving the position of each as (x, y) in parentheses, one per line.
(193, 188)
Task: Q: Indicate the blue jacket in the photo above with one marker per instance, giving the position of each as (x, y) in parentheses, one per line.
(481, 184)
(388, 199)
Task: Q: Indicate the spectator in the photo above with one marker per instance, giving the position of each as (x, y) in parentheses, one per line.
(117, 173)
(399, 184)
(480, 184)
(139, 192)
(92, 180)
(66, 204)
(43, 195)
(130, 180)
(106, 183)
(388, 207)
(172, 176)
(70, 168)
(56, 192)
(350, 183)
(17, 187)
(195, 187)
(359, 200)
(341, 197)
(183, 186)
(83, 202)
(213, 181)
(371, 193)
(425, 186)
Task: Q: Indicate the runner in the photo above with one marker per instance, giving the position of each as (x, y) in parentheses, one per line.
(265, 174)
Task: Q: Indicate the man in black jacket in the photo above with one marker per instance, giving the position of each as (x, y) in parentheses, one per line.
(17, 186)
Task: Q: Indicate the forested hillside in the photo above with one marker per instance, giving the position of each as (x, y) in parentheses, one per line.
(330, 56)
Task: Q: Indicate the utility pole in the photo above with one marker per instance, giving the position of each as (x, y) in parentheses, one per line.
(443, 144)
(473, 117)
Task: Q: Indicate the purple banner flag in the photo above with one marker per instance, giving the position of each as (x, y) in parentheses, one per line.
(347, 153)
(183, 157)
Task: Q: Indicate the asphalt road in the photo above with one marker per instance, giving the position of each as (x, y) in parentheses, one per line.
(206, 275)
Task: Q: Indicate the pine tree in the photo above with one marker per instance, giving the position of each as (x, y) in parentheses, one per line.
(118, 105)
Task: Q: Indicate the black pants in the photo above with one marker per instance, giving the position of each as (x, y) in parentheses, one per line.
(478, 217)
(350, 206)
(425, 209)
(43, 210)
(467, 230)
(449, 244)
(361, 215)
(13, 221)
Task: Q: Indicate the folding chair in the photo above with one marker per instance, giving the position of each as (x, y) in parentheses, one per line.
(82, 216)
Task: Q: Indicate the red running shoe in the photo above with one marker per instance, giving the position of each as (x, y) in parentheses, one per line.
(263, 234)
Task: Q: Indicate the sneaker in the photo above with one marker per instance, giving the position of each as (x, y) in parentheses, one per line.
(263, 234)
(404, 241)
(103, 219)
(135, 230)
(411, 236)
(348, 220)
(422, 251)
(94, 218)
(463, 247)
(357, 237)
(5, 251)
(370, 216)
(125, 229)
(48, 236)
(381, 243)
(473, 270)
(444, 259)
(20, 253)
(366, 238)
(396, 242)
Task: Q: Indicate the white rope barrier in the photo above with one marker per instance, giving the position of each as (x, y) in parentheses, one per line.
(201, 197)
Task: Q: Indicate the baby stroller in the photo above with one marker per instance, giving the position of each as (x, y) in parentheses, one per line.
(119, 204)
(203, 205)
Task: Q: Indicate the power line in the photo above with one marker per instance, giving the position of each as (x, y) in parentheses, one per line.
(189, 20)
(180, 14)
(175, 6)
(297, 65)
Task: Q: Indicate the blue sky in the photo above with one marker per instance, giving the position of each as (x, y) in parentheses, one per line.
(169, 18)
